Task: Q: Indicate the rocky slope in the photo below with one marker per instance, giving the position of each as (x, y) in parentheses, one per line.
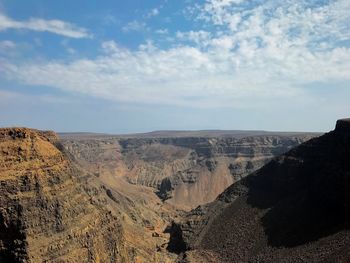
(184, 171)
(50, 211)
(294, 209)
(142, 215)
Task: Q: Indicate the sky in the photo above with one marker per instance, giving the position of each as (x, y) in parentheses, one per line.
(136, 66)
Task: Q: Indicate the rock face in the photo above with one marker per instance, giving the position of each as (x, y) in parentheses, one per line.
(205, 167)
(50, 211)
(143, 216)
(184, 171)
(294, 209)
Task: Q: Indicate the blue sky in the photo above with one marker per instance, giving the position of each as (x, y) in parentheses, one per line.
(135, 66)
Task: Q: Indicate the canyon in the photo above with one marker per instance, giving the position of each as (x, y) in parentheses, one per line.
(185, 169)
(117, 198)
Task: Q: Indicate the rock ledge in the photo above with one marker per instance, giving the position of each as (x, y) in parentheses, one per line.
(343, 125)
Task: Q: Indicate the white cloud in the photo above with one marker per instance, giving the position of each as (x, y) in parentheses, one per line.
(7, 44)
(223, 42)
(53, 26)
(162, 31)
(135, 26)
(259, 55)
(9, 48)
(201, 37)
(68, 48)
(110, 47)
(186, 75)
(153, 12)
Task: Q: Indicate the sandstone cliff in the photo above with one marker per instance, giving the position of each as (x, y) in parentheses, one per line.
(50, 211)
(294, 209)
(143, 216)
(184, 171)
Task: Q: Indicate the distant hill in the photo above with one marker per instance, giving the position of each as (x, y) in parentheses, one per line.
(180, 134)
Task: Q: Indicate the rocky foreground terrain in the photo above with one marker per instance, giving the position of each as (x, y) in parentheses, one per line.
(48, 210)
(294, 209)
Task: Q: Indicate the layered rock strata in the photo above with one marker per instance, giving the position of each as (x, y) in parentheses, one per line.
(48, 210)
(184, 171)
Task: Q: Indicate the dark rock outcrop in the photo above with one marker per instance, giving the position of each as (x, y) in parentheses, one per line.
(294, 209)
(343, 125)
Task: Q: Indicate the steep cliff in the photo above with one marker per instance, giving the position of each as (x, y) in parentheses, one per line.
(184, 171)
(50, 211)
(294, 209)
(143, 216)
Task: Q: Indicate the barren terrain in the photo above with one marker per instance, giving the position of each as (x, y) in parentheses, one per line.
(294, 209)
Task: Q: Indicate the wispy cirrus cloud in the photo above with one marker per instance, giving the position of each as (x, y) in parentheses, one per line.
(135, 26)
(7, 44)
(54, 26)
(162, 31)
(7, 47)
(141, 25)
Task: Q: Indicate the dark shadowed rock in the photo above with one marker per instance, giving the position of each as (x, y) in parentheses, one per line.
(343, 125)
(294, 209)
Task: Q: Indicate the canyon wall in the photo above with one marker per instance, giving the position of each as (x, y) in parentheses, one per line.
(184, 171)
(48, 210)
